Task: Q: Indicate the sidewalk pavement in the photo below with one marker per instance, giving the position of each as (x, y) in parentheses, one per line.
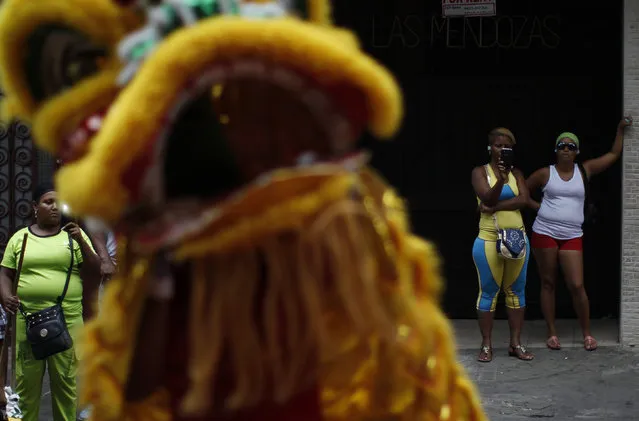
(606, 331)
(570, 384)
(562, 385)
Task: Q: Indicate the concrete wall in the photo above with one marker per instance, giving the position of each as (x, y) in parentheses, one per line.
(629, 329)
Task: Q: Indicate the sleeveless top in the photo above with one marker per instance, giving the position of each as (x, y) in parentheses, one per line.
(561, 214)
(505, 219)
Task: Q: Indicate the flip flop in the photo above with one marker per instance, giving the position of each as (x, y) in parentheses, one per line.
(590, 343)
(485, 354)
(553, 343)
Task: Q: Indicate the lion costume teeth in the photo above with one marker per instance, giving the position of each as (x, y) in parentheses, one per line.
(223, 134)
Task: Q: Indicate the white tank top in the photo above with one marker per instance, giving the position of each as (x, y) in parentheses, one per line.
(562, 208)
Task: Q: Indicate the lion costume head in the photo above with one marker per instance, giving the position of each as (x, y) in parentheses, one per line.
(226, 132)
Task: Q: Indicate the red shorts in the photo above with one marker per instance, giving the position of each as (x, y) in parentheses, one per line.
(540, 241)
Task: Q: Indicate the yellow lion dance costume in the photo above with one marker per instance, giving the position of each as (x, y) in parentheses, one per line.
(219, 139)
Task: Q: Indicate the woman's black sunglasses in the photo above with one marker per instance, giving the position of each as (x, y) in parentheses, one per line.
(570, 146)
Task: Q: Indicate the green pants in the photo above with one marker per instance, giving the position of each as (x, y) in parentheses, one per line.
(63, 370)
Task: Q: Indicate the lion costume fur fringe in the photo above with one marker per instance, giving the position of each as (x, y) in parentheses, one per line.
(385, 346)
(351, 290)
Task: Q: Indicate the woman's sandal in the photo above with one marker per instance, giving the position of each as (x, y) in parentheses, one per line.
(553, 343)
(520, 352)
(590, 343)
(485, 354)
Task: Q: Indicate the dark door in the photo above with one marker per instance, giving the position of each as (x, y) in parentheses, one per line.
(18, 173)
(540, 67)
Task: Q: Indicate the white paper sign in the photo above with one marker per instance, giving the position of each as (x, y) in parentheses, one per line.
(469, 7)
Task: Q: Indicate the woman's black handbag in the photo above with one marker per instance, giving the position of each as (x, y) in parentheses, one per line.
(47, 331)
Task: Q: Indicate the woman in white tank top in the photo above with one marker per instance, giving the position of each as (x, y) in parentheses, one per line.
(557, 231)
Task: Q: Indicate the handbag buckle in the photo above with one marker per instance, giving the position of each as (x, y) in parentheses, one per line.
(44, 333)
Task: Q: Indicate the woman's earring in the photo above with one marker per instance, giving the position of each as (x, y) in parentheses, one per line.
(36, 214)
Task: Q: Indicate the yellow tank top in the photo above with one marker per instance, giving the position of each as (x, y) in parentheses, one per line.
(505, 219)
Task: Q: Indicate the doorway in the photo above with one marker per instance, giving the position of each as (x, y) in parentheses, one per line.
(540, 67)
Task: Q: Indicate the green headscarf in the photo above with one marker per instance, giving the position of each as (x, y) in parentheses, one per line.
(568, 135)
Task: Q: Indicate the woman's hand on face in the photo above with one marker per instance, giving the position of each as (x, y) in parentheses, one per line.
(625, 122)
(11, 304)
(74, 230)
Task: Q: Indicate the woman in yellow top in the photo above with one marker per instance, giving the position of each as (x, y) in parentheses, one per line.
(42, 279)
(501, 192)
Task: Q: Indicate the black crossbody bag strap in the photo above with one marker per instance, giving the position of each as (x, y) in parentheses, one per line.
(66, 283)
(69, 271)
(47, 330)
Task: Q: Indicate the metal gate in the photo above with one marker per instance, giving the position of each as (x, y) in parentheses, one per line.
(18, 173)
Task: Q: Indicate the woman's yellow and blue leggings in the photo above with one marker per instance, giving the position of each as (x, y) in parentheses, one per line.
(496, 273)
